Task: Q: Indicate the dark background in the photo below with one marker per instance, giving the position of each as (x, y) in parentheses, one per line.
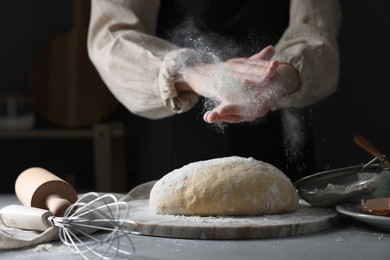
(361, 103)
(359, 106)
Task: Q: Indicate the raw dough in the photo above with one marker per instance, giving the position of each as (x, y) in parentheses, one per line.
(224, 186)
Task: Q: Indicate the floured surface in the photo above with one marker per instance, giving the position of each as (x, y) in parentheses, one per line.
(305, 220)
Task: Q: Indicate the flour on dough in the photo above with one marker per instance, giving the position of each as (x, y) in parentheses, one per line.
(224, 186)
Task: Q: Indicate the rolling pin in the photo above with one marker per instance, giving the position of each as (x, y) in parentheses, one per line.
(37, 187)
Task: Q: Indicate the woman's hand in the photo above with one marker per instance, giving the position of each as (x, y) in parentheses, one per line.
(244, 88)
(285, 81)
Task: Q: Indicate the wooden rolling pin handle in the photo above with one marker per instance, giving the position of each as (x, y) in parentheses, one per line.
(57, 204)
(366, 145)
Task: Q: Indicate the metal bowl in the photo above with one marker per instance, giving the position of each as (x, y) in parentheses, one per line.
(330, 188)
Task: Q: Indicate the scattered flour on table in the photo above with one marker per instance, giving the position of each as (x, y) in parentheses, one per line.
(142, 214)
(43, 247)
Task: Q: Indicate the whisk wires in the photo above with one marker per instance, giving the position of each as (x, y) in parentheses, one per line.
(79, 227)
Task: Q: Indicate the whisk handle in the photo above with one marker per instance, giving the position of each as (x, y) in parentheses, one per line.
(24, 217)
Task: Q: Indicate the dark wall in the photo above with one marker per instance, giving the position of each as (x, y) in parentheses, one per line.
(360, 105)
(25, 26)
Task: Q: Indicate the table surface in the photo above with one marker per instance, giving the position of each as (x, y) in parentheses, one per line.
(350, 240)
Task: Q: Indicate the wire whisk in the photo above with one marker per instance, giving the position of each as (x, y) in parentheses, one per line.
(95, 226)
(91, 213)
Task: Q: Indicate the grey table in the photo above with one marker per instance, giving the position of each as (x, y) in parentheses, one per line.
(350, 240)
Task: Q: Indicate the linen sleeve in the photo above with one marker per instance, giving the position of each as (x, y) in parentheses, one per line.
(310, 45)
(137, 67)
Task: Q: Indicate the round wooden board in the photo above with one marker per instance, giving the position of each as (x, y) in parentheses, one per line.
(305, 220)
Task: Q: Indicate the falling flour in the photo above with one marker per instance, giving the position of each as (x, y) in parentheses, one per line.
(227, 88)
(293, 134)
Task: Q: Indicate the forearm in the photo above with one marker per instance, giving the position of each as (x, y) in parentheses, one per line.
(136, 66)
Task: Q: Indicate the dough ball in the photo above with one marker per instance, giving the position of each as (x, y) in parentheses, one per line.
(224, 186)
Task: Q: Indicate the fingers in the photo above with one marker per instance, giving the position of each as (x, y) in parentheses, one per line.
(256, 68)
(260, 68)
(255, 74)
(224, 113)
(265, 54)
(213, 117)
(235, 113)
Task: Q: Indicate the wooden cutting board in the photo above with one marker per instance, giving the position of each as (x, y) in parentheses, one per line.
(305, 220)
(65, 87)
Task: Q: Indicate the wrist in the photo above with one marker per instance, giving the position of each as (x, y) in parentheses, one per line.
(289, 78)
(182, 86)
(181, 82)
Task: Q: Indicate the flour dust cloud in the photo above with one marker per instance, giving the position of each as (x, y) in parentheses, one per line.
(213, 49)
